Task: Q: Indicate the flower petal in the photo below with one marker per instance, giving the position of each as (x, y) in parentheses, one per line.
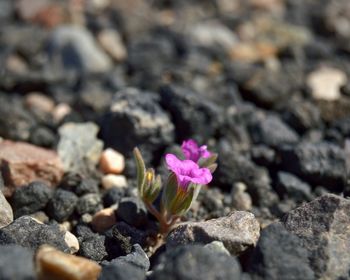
(173, 163)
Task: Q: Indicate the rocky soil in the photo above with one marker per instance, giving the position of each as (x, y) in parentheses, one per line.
(264, 83)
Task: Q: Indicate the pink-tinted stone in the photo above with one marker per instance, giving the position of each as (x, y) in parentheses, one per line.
(22, 163)
(104, 219)
(112, 162)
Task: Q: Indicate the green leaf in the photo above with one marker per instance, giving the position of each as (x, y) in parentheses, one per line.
(170, 191)
(185, 203)
(156, 187)
(141, 169)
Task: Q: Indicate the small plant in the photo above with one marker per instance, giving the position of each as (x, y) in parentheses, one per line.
(186, 176)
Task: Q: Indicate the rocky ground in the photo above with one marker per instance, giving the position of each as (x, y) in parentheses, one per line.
(265, 83)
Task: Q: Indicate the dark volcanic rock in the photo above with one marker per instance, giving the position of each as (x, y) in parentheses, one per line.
(128, 235)
(319, 164)
(193, 115)
(16, 122)
(196, 263)
(86, 186)
(272, 131)
(133, 211)
(62, 205)
(26, 232)
(322, 226)
(16, 262)
(113, 196)
(93, 247)
(302, 115)
(234, 168)
(137, 257)
(269, 88)
(31, 198)
(279, 255)
(290, 186)
(138, 114)
(263, 155)
(122, 271)
(89, 203)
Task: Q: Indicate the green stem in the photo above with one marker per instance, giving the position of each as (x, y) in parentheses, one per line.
(164, 224)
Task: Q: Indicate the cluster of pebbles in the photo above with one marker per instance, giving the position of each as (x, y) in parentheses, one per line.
(264, 83)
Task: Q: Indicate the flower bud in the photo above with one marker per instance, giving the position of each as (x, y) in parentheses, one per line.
(207, 162)
(176, 199)
(151, 187)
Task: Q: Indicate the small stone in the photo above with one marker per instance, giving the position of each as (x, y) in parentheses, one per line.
(241, 200)
(83, 231)
(93, 247)
(113, 196)
(122, 271)
(213, 34)
(89, 203)
(39, 102)
(62, 205)
(66, 226)
(98, 5)
(16, 64)
(16, 262)
(322, 226)
(87, 186)
(103, 220)
(53, 264)
(290, 186)
(238, 231)
(86, 218)
(31, 198)
(27, 232)
(74, 48)
(132, 211)
(137, 257)
(60, 111)
(72, 242)
(6, 214)
(212, 199)
(196, 263)
(218, 247)
(79, 148)
(29, 9)
(325, 83)
(111, 181)
(26, 163)
(263, 155)
(16, 121)
(112, 162)
(40, 216)
(112, 43)
(43, 137)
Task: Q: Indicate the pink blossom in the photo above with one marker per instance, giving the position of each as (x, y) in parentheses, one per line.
(187, 171)
(192, 152)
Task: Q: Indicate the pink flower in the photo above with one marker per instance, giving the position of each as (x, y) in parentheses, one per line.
(187, 171)
(192, 152)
